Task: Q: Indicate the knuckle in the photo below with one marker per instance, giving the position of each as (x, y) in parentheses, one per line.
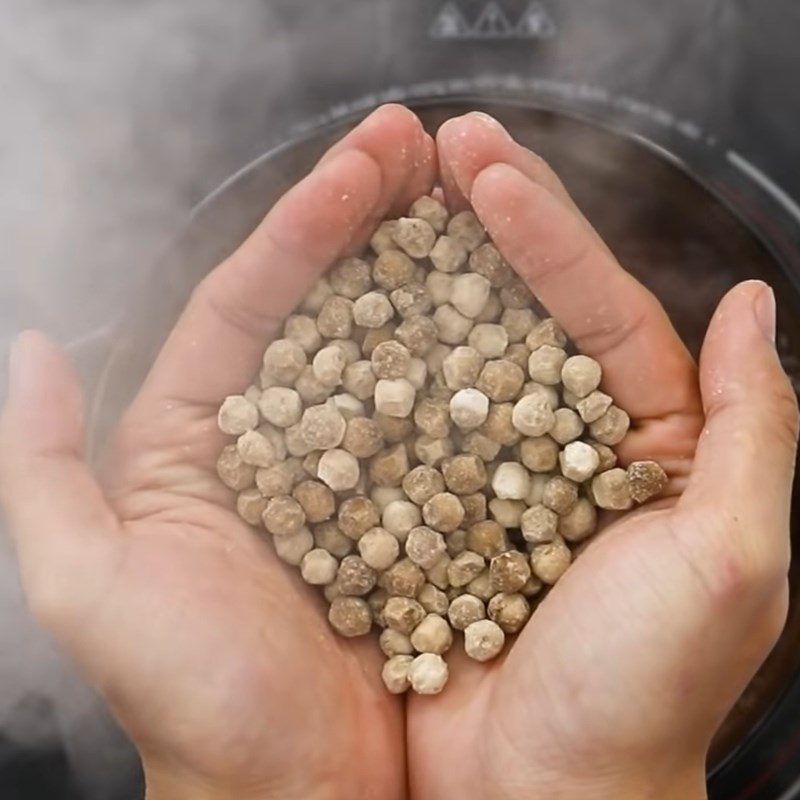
(785, 417)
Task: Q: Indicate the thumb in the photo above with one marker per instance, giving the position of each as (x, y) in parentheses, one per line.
(57, 515)
(744, 465)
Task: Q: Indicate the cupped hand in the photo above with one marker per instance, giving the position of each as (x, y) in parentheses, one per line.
(214, 656)
(617, 684)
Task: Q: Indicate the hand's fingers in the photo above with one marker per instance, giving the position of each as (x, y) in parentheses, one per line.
(490, 143)
(604, 310)
(57, 515)
(216, 346)
(745, 459)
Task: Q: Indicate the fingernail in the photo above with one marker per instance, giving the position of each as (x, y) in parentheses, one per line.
(490, 121)
(765, 311)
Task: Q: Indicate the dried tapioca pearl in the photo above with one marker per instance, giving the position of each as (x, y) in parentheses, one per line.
(610, 429)
(393, 269)
(411, 299)
(464, 474)
(465, 610)
(417, 373)
(489, 340)
(437, 574)
(469, 408)
(479, 444)
(544, 364)
(339, 470)
(511, 481)
(383, 238)
(499, 425)
(547, 394)
(469, 294)
(593, 406)
(539, 524)
(547, 332)
(394, 398)
(464, 567)
(452, 327)
(432, 211)
(432, 451)
(281, 406)
(394, 643)
(317, 295)
(283, 516)
(284, 360)
(579, 461)
(318, 567)
(428, 674)
(422, 483)
(399, 517)
(395, 673)
(418, 334)
(456, 541)
(327, 536)
(330, 591)
(579, 523)
(483, 640)
(250, 504)
(389, 467)
(233, 471)
(303, 330)
(569, 399)
(329, 365)
(516, 295)
(403, 579)
(383, 495)
(415, 236)
(425, 546)
(322, 427)
(256, 449)
(518, 323)
(539, 454)
(356, 516)
(432, 635)
(355, 577)
(379, 549)
(488, 262)
(252, 394)
(448, 255)
(440, 287)
(539, 483)
(487, 539)
(467, 228)
(403, 614)
(316, 500)
(335, 319)
(567, 426)
(581, 375)
(390, 360)
(454, 591)
(481, 587)
(443, 512)
(532, 587)
(611, 490)
(374, 336)
(433, 599)
(348, 406)
(311, 463)
(461, 367)
(474, 509)
(532, 416)
(559, 494)
(608, 458)
(646, 480)
(311, 390)
(491, 311)
(372, 310)
(518, 354)
(509, 571)
(362, 437)
(506, 512)
(350, 278)
(432, 416)
(439, 389)
(377, 602)
(393, 429)
(350, 616)
(237, 415)
(550, 561)
(274, 480)
(293, 548)
(509, 610)
(501, 380)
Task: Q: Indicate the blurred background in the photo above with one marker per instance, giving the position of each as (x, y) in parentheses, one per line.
(120, 117)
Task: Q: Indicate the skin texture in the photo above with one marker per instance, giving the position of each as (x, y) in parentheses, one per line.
(216, 658)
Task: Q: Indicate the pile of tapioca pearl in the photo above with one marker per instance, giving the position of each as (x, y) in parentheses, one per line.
(421, 445)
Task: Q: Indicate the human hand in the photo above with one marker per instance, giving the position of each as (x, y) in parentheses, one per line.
(618, 682)
(216, 659)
